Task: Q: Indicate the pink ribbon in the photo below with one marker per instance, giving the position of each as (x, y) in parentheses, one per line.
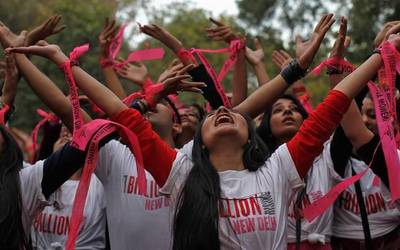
(384, 116)
(334, 62)
(47, 117)
(3, 112)
(234, 48)
(116, 43)
(306, 102)
(385, 107)
(91, 134)
(142, 55)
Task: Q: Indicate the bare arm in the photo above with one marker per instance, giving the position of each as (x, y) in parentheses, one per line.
(266, 94)
(47, 91)
(256, 60)
(111, 79)
(10, 81)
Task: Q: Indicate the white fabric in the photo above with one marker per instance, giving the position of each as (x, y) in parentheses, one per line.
(50, 228)
(320, 179)
(134, 221)
(382, 216)
(33, 200)
(255, 204)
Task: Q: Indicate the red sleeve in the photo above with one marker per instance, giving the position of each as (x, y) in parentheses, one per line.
(316, 129)
(158, 156)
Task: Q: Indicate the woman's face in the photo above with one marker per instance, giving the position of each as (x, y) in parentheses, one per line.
(224, 123)
(285, 119)
(190, 117)
(368, 115)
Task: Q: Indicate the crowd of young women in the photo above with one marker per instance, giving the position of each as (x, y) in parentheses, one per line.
(236, 174)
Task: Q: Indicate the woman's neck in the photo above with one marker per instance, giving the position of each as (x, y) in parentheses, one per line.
(225, 158)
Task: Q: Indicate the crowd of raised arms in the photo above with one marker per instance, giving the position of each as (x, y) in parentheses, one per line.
(118, 170)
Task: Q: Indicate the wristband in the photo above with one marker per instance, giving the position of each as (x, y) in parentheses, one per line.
(293, 72)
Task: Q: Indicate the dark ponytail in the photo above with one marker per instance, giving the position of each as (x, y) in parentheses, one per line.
(12, 235)
(196, 223)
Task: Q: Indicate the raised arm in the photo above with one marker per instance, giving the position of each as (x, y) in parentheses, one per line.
(256, 60)
(239, 82)
(265, 95)
(308, 142)
(111, 79)
(11, 80)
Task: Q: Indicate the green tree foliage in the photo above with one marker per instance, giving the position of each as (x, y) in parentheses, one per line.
(84, 20)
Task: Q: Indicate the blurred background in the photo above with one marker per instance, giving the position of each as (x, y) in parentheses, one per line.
(274, 22)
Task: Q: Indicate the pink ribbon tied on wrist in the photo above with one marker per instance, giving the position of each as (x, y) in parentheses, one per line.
(383, 98)
(88, 137)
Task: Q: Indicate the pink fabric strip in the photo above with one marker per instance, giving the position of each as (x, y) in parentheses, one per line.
(128, 100)
(318, 207)
(116, 43)
(3, 112)
(142, 55)
(335, 62)
(47, 117)
(306, 102)
(90, 134)
(385, 107)
(233, 49)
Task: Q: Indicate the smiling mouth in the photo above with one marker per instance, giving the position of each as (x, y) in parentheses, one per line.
(223, 119)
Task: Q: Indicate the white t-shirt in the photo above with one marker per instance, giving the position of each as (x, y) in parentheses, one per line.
(320, 179)
(382, 216)
(50, 228)
(33, 200)
(134, 221)
(254, 208)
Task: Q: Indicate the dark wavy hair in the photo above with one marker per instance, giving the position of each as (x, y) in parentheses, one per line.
(264, 129)
(12, 235)
(196, 223)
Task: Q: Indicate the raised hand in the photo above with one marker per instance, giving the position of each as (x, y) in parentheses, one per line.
(256, 56)
(342, 41)
(174, 66)
(305, 51)
(175, 82)
(48, 28)
(109, 31)
(222, 32)
(10, 39)
(136, 74)
(281, 58)
(163, 36)
(42, 48)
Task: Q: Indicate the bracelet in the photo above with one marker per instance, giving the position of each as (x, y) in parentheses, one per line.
(293, 72)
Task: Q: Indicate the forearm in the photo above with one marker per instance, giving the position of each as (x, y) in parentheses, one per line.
(97, 92)
(355, 82)
(45, 89)
(9, 91)
(261, 74)
(316, 129)
(239, 83)
(263, 97)
(158, 156)
(113, 82)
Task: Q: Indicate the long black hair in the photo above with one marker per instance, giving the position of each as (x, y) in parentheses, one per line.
(196, 222)
(12, 235)
(264, 129)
